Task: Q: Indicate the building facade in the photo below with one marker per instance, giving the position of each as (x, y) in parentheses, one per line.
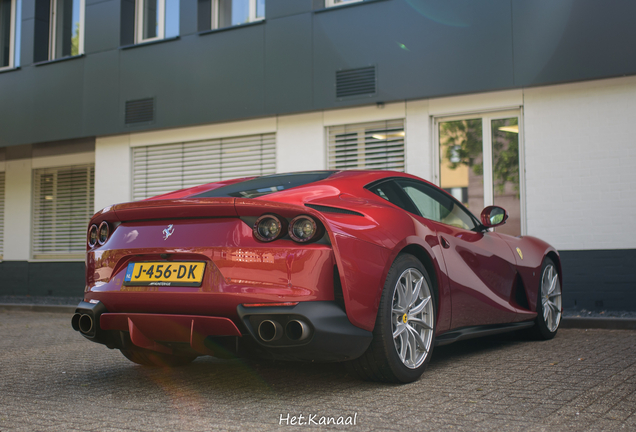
(522, 104)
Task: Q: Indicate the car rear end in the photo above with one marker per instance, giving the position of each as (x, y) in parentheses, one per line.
(202, 275)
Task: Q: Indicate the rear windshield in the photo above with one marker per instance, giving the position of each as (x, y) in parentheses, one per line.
(266, 185)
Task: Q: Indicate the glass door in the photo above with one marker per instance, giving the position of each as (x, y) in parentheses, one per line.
(480, 163)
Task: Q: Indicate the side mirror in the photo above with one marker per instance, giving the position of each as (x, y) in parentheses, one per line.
(493, 216)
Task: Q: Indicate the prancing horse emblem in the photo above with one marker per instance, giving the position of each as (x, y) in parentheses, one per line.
(168, 232)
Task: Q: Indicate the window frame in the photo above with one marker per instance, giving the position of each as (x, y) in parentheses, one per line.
(139, 21)
(367, 140)
(486, 117)
(214, 15)
(77, 252)
(12, 37)
(53, 30)
(196, 162)
(332, 3)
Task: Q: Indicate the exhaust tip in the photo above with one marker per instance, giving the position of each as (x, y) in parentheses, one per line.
(85, 323)
(297, 330)
(269, 330)
(75, 321)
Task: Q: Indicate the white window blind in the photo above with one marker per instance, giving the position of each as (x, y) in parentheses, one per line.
(376, 145)
(62, 206)
(1, 214)
(165, 168)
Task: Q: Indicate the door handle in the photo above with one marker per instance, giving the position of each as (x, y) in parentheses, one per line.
(444, 242)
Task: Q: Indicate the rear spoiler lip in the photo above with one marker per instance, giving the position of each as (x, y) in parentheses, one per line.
(191, 208)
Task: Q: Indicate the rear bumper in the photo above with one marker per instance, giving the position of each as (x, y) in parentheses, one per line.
(330, 336)
(314, 331)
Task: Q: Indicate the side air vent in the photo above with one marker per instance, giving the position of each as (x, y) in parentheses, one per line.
(355, 82)
(140, 111)
(327, 209)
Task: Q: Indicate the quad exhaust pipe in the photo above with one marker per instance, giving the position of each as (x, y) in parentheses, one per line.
(269, 330)
(295, 330)
(82, 323)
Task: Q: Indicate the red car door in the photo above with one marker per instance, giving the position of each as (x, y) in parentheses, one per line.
(480, 265)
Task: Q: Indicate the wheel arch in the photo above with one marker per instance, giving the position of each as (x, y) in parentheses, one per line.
(554, 256)
(435, 273)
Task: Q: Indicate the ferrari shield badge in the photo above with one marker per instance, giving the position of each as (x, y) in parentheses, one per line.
(518, 251)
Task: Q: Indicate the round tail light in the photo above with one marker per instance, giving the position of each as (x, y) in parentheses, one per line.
(92, 236)
(303, 229)
(268, 228)
(104, 232)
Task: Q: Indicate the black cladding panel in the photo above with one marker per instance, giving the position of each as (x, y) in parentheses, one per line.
(289, 63)
(570, 40)
(420, 48)
(100, 34)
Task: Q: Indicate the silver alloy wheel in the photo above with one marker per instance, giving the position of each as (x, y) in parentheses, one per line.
(412, 318)
(551, 297)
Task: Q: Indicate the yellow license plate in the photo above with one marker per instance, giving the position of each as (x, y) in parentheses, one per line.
(185, 273)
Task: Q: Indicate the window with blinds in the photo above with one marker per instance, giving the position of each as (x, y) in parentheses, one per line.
(62, 206)
(376, 145)
(1, 215)
(165, 168)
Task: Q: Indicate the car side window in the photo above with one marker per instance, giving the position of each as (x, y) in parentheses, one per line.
(391, 192)
(436, 205)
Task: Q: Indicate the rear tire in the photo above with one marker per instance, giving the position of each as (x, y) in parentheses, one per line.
(404, 331)
(548, 302)
(150, 358)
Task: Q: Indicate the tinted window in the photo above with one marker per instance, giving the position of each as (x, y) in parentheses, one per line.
(266, 185)
(391, 192)
(436, 205)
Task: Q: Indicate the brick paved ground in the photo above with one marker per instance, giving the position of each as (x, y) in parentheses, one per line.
(53, 379)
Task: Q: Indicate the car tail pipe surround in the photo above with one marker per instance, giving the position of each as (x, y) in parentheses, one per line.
(86, 319)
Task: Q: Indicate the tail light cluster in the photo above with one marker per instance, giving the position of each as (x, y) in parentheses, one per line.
(301, 229)
(98, 235)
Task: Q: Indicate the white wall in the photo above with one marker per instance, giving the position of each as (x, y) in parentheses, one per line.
(580, 153)
(300, 143)
(112, 171)
(17, 210)
(581, 164)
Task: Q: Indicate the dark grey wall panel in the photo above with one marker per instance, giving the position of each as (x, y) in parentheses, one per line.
(56, 91)
(599, 279)
(101, 107)
(28, 9)
(214, 77)
(17, 122)
(26, 48)
(288, 64)
(101, 26)
(15, 277)
(573, 40)
(281, 8)
(188, 17)
(420, 48)
(42, 279)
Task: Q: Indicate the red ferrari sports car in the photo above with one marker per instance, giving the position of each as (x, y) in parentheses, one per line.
(370, 267)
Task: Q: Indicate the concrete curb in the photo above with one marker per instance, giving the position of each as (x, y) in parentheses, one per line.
(37, 308)
(570, 322)
(608, 323)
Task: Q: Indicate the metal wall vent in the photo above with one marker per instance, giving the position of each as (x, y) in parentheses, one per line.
(355, 82)
(140, 111)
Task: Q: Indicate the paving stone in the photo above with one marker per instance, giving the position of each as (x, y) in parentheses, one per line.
(53, 379)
